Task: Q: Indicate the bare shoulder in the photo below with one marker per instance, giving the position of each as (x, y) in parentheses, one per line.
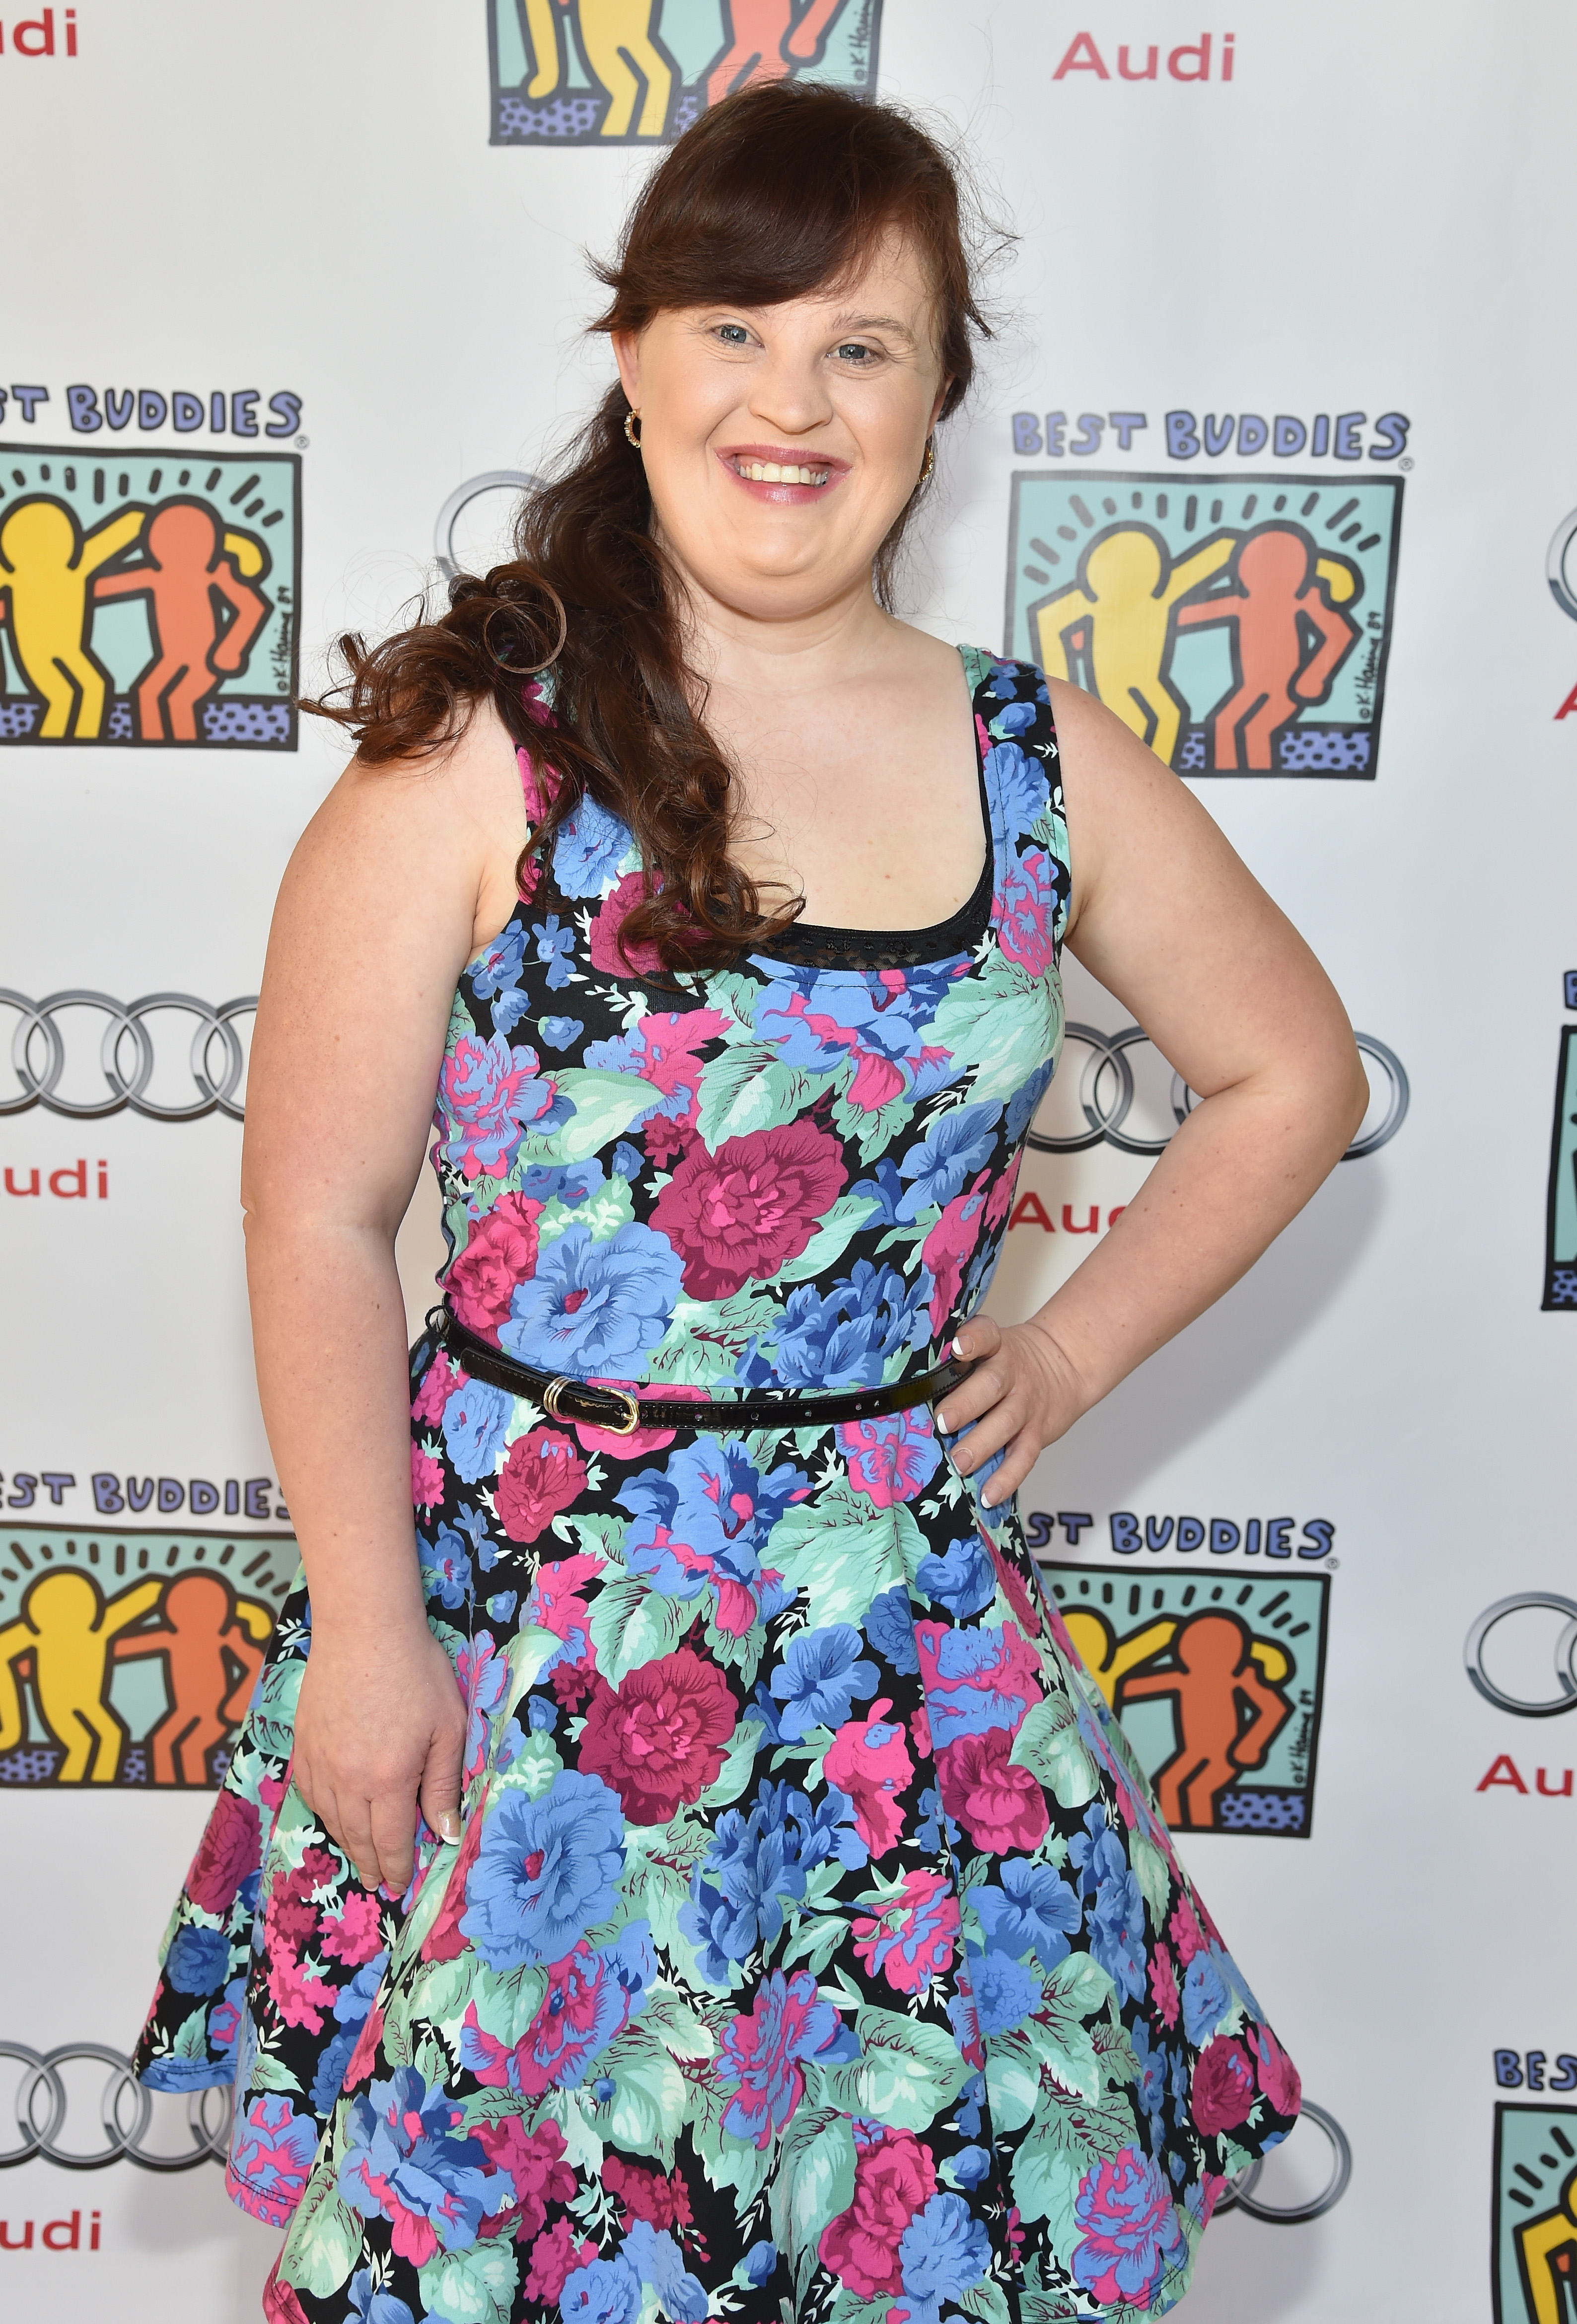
(1122, 804)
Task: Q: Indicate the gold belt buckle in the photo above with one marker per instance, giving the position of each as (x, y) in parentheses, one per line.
(627, 1426)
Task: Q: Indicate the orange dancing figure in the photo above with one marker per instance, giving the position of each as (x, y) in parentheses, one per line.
(766, 41)
(1217, 1672)
(188, 557)
(1277, 588)
(203, 1633)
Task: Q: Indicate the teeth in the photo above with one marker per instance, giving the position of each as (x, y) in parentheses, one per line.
(774, 472)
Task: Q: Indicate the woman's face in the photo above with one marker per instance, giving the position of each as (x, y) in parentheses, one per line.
(782, 442)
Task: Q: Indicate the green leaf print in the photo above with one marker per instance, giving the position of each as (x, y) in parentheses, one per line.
(1066, 2137)
(906, 2074)
(1002, 1023)
(631, 1624)
(848, 2308)
(532, 1768)
(192, 2040)
(706, 1338)
(745, 1088)
(1049, 1744)
(606, 1209)
(528, 1650)
(505, 2000)
(476, 2286)
(986, 2300)
(814, 2184)
(325, 2240)
(605, 1104)
(844, 1552)
(1155, 1876)
(651, 2095)
(268, 2072)
(1012, 2081)
(739, 1759)
(1076, 1989)
(831, 1239)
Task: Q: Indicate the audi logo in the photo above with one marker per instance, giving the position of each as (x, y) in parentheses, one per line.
(494, 480)
(1106, 1094)
(1241, 2196)
(1565, 1656)
(1555, 569)
(122, 2115)
(215, 1055)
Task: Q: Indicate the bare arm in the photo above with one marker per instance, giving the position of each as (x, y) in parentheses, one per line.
(399, 876)
(1170, 920)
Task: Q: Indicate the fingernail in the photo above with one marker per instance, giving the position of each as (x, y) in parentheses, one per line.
(449, 1826)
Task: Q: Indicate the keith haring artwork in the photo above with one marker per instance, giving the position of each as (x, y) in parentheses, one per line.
(149, 596)
(636, 72)
(1533, 2265)
(128, 1657)
(1240, 624)
(1560, 1204)
(1218, 1682)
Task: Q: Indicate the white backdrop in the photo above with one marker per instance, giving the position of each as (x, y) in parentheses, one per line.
(1370, 217)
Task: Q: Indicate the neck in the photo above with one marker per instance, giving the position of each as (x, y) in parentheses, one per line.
(731, 646)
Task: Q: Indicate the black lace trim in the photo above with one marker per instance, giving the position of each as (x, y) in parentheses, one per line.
(806, 946)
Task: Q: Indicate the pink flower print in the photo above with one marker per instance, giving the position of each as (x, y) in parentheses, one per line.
(1019, 913)
(740, 1214)
(499, 1253)
(1279, 2078)
(280, 2303)
(1222, 2093)
(299, 1999)
(1001, 1194)
(489, 1092)
(356, 1935)
(270, 2154)
(444, 1940)
(427, 1478)
(869, 1759)
(555, 2256)
(231, 1846)
(894, 2177)
(1185, 1930)
(759, 2055)
(1163, 1990)
(1001, 1806)
(911, 1939)
(949, 1247)
(555, 1603)
(369, 2041)
(1130, 2230)
(542, 1475)
(665, 1049)
(606, 953)
(976, 1679)
(537, 2172)
(890, 1459)
(1020, 1594)
(438, 1383)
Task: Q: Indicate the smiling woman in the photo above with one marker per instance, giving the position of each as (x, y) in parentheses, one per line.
(688, 1872)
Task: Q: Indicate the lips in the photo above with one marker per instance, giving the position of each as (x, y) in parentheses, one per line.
(781, 473)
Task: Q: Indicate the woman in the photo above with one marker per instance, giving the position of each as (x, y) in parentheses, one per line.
(773, 1923)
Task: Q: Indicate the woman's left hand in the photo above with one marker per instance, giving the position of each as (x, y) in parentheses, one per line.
(1024, 1394)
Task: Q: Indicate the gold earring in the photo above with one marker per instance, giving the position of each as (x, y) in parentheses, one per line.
(631, 424)
(928, 470)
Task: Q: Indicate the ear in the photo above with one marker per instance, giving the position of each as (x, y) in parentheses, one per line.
(627, 355)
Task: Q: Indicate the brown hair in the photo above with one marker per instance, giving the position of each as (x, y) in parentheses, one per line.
(777, 191)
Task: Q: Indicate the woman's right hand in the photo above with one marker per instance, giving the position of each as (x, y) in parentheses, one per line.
(380, 1726)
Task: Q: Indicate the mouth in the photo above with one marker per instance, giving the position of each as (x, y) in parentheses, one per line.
(782, 474)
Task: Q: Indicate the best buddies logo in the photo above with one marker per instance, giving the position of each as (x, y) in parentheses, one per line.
(1240, 624)
(637, 72)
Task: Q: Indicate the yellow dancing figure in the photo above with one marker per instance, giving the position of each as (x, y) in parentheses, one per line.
(1548, 2249)
(617, 42)
(67, 1633)
(1118, 617)
(47, 566)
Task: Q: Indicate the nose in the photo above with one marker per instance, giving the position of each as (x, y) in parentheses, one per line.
(789, 394)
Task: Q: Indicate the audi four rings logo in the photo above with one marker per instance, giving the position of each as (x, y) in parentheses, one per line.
(494, 480)
(1561, 581)
(1547, 1601)
(1242, 2195)
(214, 1055)
(121, 2114)
(1106, 1094)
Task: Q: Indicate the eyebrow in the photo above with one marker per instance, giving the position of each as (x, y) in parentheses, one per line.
(874, 323)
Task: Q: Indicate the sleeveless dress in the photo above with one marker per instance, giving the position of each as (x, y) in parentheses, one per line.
(813, 1949)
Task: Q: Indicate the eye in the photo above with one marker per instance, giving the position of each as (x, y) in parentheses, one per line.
(734, 335)
(856, 351)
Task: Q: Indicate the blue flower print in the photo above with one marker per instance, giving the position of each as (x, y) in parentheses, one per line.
(820, 1022)
(546, 1870)
(376, 2306)
(404, 2163)
(496, 978)
(1018, 784)
(962, 1578)
(569, 1183)
(704, 1516)
(328, 2081)
(541, 1716)
(475, 1420)
(942, 2250)
(656, 2259)
(198, 1961)
(1034, 1911)
(1005, 1992)
(1117, 1920)
(759, 2264)
(594, 1307)
(588, 849)
(972, 2165)
(605, 2292)
(819, 1679)
(555, 948)
(560, 1032)
(447, 1575)
(1151, 2080)
(1205, 1999)
(1021, 1105)
(843, 1338)
(890, 1626)
(757, 1864)
(1013, 718)
(628, 1161)
(955, 1147)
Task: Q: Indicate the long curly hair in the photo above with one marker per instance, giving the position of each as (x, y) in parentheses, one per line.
(782, 189)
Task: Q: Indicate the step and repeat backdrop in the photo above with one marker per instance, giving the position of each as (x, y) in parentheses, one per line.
(1276, 452)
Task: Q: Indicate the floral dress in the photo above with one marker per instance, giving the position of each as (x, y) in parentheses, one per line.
(813, 1949)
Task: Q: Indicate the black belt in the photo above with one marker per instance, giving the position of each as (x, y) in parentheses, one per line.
(621, 1413)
